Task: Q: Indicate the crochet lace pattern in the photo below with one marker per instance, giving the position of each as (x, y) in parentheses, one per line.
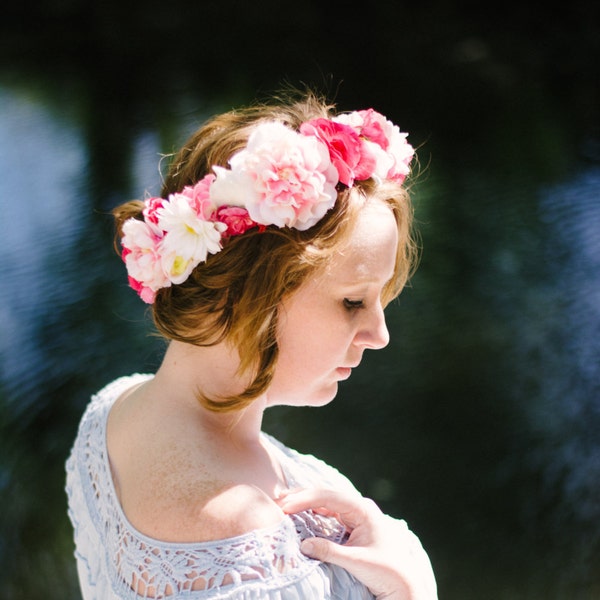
(142, 567)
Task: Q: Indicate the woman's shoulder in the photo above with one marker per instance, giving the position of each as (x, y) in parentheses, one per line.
(116, 388)
(102, 400)
(92, 425)
(172, 481)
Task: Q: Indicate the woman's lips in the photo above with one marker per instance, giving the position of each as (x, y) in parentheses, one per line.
(343, 372)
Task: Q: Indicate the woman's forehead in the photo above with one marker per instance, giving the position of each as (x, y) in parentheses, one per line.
(370, 252)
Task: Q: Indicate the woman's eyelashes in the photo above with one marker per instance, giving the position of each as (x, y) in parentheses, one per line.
(353, 304)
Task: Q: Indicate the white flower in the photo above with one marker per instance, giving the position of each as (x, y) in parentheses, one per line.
(187, 240)
(402, 154)
(353, 119)
(230, 188)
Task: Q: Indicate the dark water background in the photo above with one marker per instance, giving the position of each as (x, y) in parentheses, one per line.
(480, 423)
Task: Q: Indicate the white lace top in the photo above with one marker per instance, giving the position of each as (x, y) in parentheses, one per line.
(115, 561)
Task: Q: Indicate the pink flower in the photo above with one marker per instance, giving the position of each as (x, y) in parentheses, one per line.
(142, 257)
(152, 205)
(146, 294)
(372, 128)
(385, 143)
(346, 150)
(200, 197)
(282, 178)
(237, 219)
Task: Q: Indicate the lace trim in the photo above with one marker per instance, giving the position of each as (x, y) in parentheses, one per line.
(140, 566)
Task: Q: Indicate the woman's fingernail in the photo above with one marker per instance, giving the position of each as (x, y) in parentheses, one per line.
(307, 547)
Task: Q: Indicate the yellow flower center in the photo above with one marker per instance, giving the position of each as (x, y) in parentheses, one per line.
(179, 266)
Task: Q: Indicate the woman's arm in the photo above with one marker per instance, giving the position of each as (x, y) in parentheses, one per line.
(381, 551)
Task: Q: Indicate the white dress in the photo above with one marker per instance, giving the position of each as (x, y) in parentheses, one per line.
(115, 561)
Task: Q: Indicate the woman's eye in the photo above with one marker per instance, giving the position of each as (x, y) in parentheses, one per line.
(350, 304)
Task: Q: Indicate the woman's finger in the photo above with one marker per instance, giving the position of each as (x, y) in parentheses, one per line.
(326, 551)
(351, 509)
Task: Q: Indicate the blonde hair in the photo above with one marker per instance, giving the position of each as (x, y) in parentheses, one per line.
(235, 295)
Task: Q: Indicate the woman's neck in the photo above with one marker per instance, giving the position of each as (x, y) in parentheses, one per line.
(188, 371)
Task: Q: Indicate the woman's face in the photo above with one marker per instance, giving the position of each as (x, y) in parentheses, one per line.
(326, 325)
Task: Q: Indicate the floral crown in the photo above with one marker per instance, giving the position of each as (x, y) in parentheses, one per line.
(282, 177)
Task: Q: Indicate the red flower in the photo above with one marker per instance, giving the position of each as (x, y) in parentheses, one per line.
(236, 218)
(346, 150)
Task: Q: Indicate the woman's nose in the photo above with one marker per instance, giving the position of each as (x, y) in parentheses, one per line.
(373, 333)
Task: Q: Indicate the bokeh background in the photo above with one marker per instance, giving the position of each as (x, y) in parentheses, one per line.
(479, 424)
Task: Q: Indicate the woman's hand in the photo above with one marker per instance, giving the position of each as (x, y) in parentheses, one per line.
(381, 551)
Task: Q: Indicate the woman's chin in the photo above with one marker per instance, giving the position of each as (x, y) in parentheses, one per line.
(315, 398)
(321, 397)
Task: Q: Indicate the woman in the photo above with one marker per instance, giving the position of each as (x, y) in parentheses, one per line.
(282, 233)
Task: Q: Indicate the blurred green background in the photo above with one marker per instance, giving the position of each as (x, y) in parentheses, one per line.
(479, 423)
